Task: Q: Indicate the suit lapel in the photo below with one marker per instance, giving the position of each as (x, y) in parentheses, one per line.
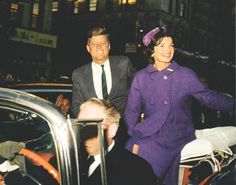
(115, 68)
(88, 75)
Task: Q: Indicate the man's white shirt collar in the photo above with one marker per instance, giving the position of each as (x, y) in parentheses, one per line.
(97, 159)
(97, 72)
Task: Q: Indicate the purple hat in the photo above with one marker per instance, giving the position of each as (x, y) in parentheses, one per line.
(148, 37)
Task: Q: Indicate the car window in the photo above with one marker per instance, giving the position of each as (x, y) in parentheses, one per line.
(49, 91)
(22, 134)
(52, 96)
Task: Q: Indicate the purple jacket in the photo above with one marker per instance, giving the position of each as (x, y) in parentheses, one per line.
(165, 99)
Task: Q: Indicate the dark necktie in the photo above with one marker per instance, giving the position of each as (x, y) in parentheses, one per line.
(89, 161)
(104, 84)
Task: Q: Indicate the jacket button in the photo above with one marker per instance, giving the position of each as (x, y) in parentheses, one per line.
(165, 77)
(165, 102)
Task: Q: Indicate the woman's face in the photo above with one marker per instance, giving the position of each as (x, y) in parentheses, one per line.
(164, 51)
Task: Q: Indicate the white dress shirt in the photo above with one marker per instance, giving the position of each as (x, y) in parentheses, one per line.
(97, 159)
(97, 77)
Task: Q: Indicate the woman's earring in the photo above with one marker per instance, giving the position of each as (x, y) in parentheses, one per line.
(152, 55)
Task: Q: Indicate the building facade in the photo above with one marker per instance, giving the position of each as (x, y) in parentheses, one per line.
(201, 29)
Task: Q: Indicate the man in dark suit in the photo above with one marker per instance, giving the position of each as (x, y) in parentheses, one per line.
(87, 79)
(122, 166)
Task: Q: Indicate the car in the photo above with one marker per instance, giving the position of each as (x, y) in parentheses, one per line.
(209, 159)
(39, 145)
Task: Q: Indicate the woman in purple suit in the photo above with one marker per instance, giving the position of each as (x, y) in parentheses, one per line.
(162, 92)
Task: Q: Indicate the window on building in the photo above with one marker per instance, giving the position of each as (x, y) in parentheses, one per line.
(35, 14)
(14, 7)
(182, 7)
(36, 8)
(131, 2)
(93, 5)
(76, 7)
(55, 6)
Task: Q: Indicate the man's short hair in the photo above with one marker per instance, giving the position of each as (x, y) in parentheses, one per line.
(112, 114)
(96, 31)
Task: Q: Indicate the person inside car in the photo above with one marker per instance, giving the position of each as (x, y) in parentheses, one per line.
(64, 104)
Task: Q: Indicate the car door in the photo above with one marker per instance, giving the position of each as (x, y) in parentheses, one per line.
(37, 143)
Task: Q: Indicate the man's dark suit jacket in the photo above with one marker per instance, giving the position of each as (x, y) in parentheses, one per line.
(124, 168)
(122, 72)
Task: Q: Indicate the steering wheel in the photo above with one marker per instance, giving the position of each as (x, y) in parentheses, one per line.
(37, 159)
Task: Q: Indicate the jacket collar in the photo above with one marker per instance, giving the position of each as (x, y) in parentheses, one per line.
(167, 71)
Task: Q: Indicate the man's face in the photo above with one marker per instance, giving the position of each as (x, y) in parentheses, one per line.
(98, 47)
(91, 111)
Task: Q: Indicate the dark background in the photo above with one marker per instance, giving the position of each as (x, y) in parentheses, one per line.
(204, 32)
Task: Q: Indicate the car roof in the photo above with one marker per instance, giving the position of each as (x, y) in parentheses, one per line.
(42, 87)
(41, 84)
